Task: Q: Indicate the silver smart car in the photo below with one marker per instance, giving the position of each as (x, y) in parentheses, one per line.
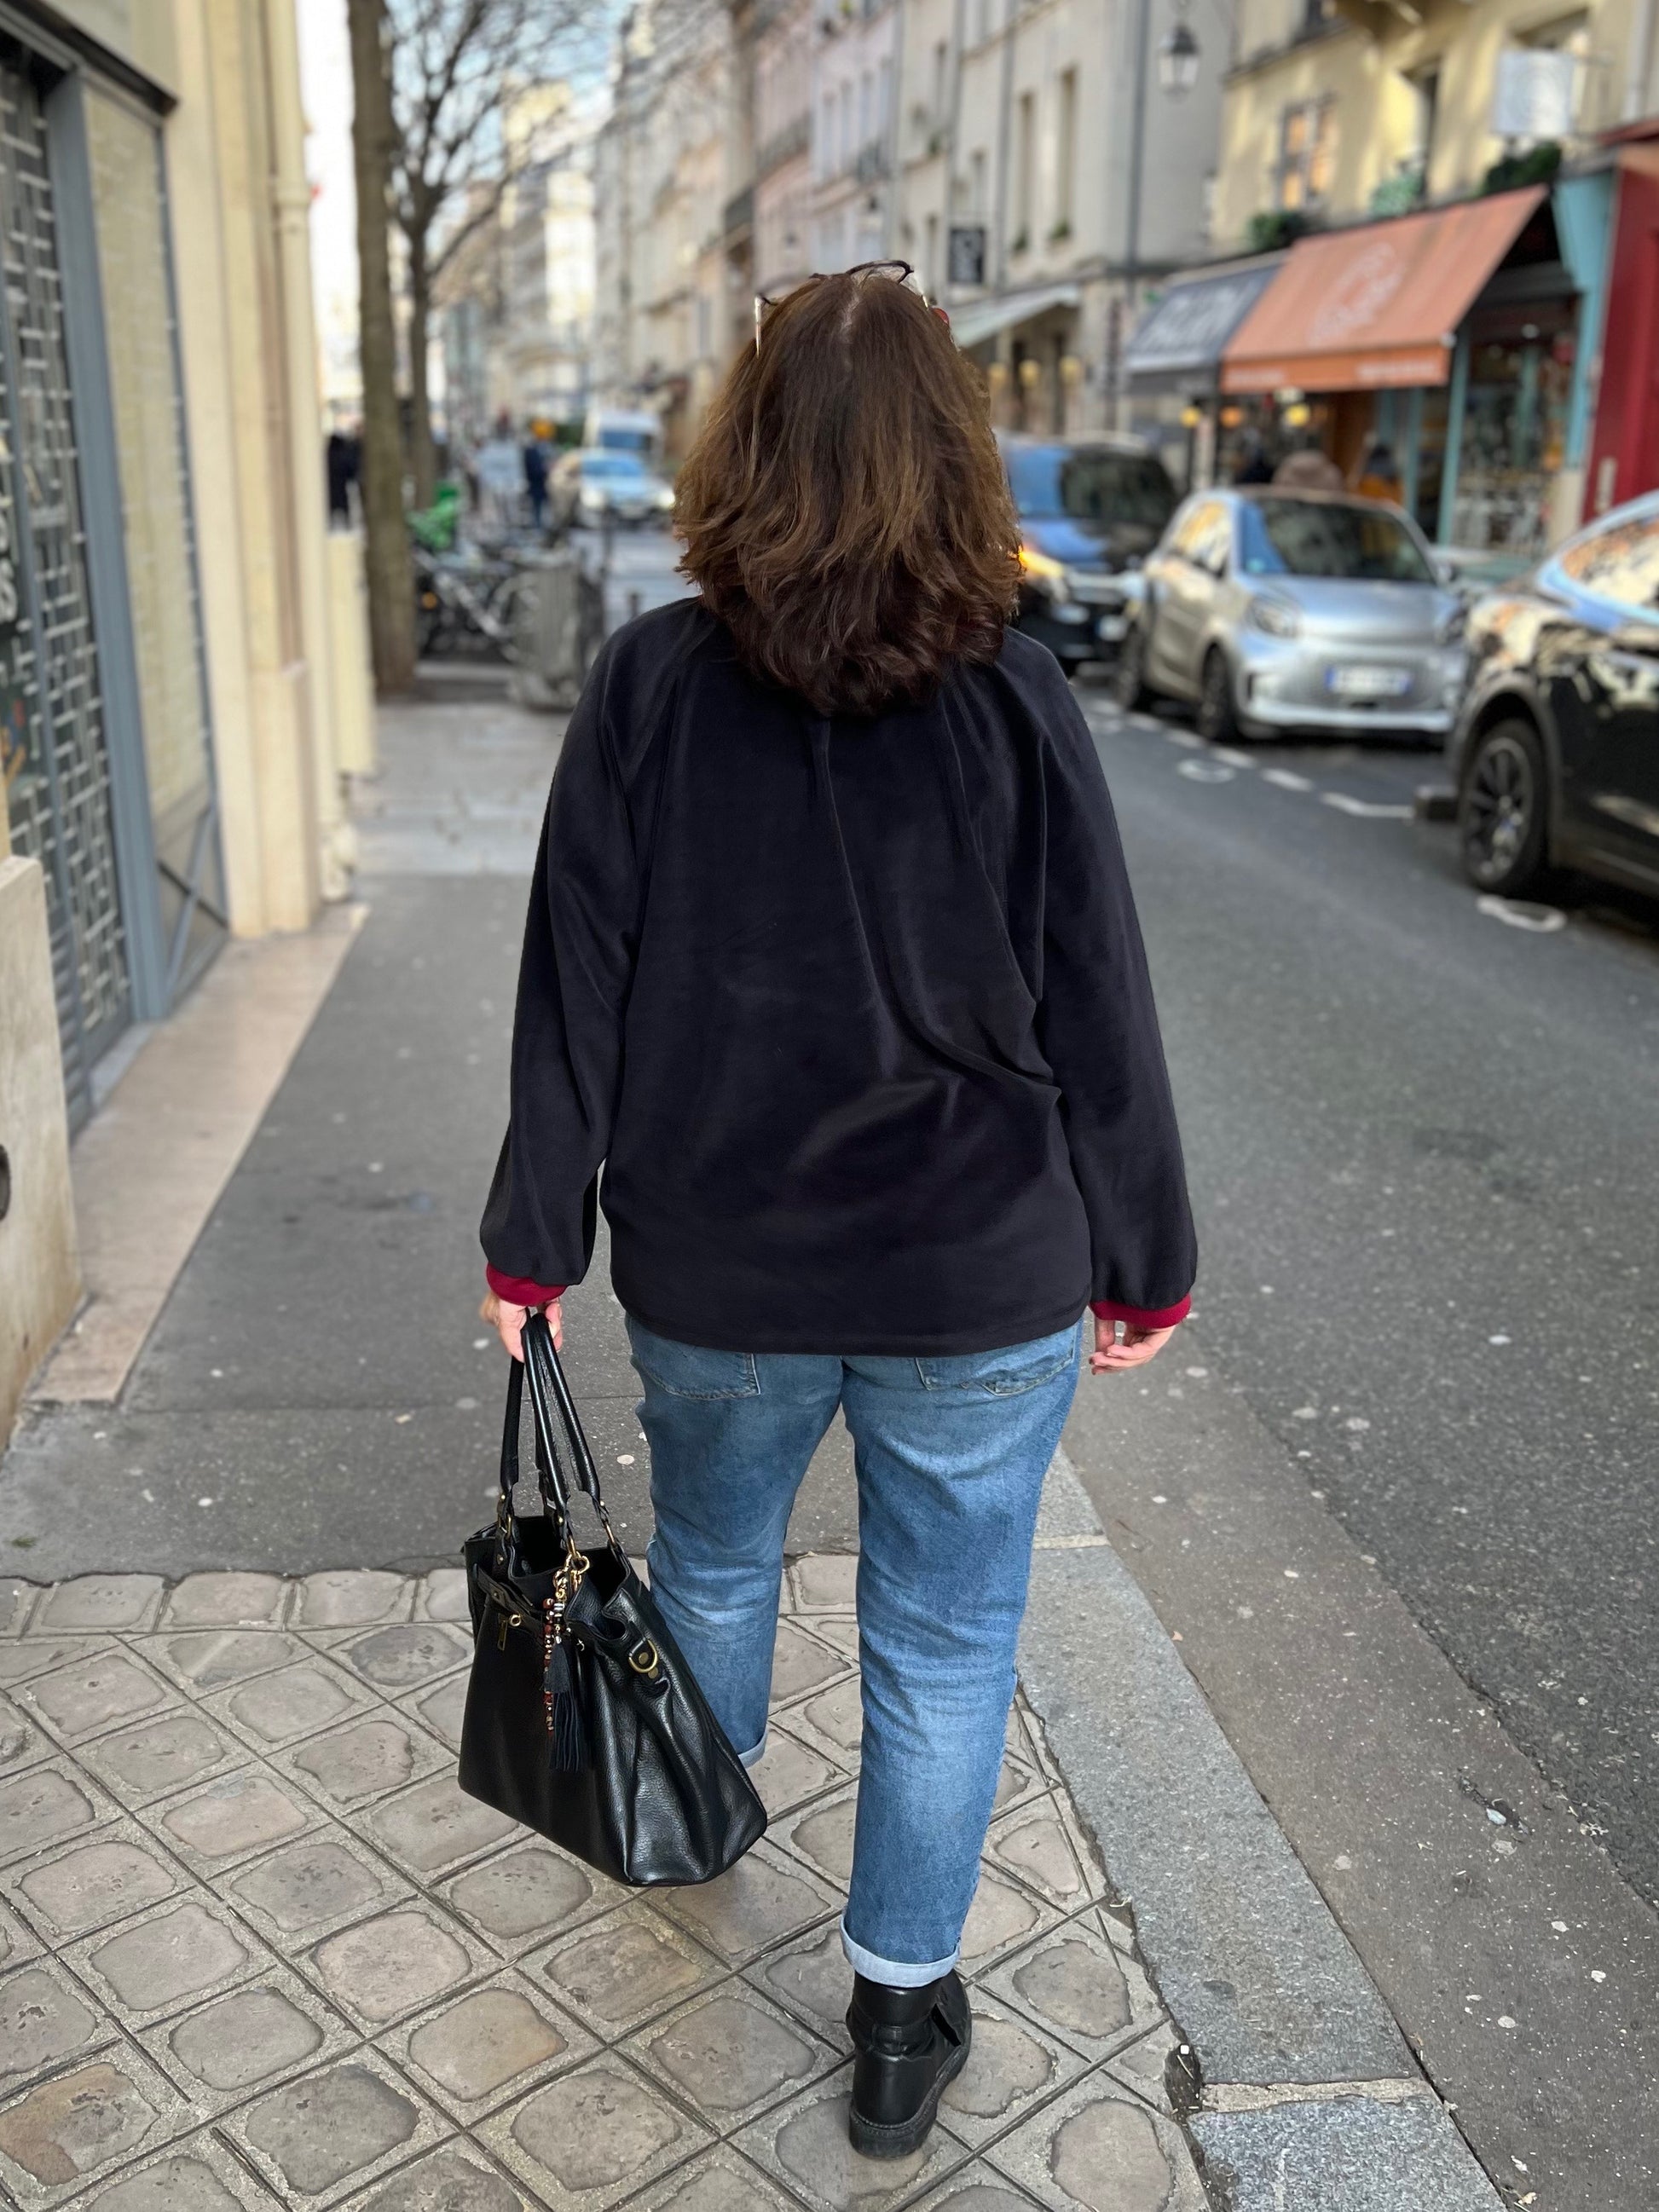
(1289, 609)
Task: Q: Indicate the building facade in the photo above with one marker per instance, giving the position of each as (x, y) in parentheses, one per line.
(168, 729)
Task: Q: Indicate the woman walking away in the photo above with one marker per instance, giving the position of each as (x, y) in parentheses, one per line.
(832, 966)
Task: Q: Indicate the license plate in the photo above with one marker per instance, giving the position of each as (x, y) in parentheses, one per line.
(1112, 627)
(1364, 682)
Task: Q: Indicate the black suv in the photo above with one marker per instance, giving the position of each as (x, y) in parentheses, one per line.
(1089, 509)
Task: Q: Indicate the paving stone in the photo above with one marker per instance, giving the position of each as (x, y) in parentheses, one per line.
(372, 1755)
(615, 1973)
(730, 2055)
(396, 1964)
(1094, 2149)
(589, 2138)
(825, 1581)
(72, 1890)
(1142, 2067)
(523, 1896)
(488, 2047)
(762, 1900)
(92, 1694)
(45, 1804)
(156, 1757)
(352, 1598)
(442, 1596)
(226, 1600)
(823, 1835)
(1012, 2067)
(977, 2187)
(454, 2178)
(198, 2175)
(834, 1719)
(407, 1655)
(810, 1977)
(338, 2127)
(805, 2145)
(789, 1774)
(28, 1656)
(1016, 1785)
(801, 1663)
(1033, 1844)
(1346, 2154)
(74, 2126)
(164, 1958)
(20, 1742)
(246, 2038)
(1077, 1986)
(441, 1709)
(17, 1941)
(1002, 1915)
(302, 1700)
(44, 2020)
(208, 1659)
(434, 1827)
(96, 1603)
(717, 2180)
(839, 1631)
(16, 1598)
(309, 1889)
(231, 1819)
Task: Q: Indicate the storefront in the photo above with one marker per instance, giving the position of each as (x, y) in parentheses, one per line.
(1027, 344)
(103, 734)
(1461, 338)
(1624, 459)
(1172, 367)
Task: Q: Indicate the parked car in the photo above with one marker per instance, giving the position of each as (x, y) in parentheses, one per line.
(1296, 610)
(1090, 509)
(1556, 753)
(593, 485)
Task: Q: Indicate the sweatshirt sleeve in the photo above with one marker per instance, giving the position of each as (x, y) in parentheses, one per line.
(574, 979)
(1099, 1032)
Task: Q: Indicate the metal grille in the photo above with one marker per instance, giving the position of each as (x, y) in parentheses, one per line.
(59, 778)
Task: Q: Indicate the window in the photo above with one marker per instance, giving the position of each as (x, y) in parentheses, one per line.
(1090, 483)
(1065, 154)
(1426, 84)
(1619, 564)
(866, 120)
(976, 183)
(931, 271)
(884, 101)
(1025, 156)
(1307, 146)
(1321, 538)
(941, 72)
(982, 22)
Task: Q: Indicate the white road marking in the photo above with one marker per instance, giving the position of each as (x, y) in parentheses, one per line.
(1204, 771)
(1182, 737)
(1233, 759)
(1521, 913)
(1364, 809)
(1287, 779)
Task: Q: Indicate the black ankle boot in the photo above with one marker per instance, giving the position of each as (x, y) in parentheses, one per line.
(907, 2045)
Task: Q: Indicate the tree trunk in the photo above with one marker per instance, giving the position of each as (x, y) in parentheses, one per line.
(390, 580)
(423, 460)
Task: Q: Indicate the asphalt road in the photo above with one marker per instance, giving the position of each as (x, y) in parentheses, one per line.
(1425, 1161)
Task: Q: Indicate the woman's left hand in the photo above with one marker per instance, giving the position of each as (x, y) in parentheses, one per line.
(1110, 1357)
(507, 1321)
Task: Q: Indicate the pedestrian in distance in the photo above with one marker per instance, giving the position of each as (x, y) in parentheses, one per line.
(535, 473)
(832, 967)
(1378, 478)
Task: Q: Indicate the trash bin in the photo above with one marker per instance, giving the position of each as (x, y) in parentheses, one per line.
(558, 627)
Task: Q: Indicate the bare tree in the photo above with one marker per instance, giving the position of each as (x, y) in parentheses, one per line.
(389, 585)
(457, 67)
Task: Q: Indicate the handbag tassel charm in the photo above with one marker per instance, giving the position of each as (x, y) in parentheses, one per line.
(564, 1719)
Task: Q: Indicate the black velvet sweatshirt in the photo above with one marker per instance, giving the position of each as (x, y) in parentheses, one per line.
(854, 1014)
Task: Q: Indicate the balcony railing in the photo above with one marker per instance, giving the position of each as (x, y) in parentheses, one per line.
(740, 211)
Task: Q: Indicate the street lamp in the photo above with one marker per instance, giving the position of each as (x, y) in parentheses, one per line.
(1177, 60)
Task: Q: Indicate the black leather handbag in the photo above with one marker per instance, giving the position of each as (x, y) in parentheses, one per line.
(583, 1720)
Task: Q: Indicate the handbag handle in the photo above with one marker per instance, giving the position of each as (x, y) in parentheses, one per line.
(547, 1390)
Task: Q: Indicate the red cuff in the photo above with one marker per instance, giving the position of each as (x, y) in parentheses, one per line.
(519, 1290)
(1142, 1316)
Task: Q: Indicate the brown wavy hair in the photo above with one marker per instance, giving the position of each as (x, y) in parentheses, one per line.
(844, 508)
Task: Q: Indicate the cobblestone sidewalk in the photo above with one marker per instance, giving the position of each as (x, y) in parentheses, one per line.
(257, 1947)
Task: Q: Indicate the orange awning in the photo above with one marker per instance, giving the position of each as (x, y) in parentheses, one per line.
(1377, 304)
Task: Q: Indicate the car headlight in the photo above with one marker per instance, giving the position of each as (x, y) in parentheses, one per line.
(590, 496)
(664, 497)
(1276, 618)
(1044, 569)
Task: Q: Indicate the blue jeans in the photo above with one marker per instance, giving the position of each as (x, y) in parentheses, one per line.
(951, 1455)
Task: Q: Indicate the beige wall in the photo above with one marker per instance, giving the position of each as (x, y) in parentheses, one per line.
(1365, 62)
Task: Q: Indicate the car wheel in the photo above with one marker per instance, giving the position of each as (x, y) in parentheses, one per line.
(1218, 716)
(1129, 682)
(1502, 811)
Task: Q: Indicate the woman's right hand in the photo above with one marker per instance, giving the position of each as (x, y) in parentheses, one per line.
(1138, 1345)
(507, 1321)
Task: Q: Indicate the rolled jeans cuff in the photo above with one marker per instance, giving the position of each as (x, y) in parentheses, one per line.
(897, 1974)
(754, 1758)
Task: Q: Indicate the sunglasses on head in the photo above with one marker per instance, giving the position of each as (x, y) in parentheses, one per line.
(900, 272)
